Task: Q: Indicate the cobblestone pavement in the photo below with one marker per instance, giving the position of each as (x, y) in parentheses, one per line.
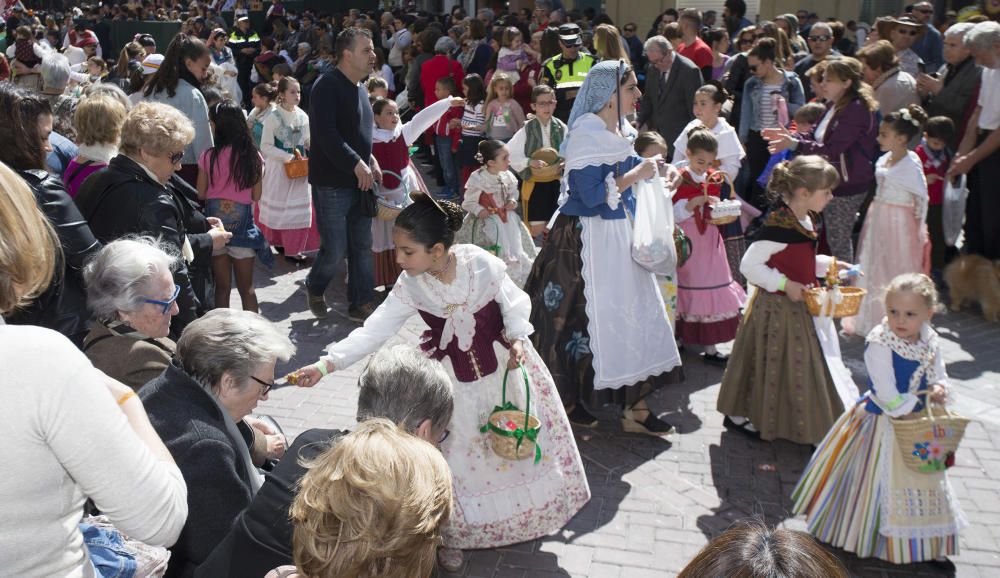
(657, 502)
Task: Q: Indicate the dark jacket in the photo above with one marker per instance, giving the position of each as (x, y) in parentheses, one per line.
(126, 358)
(123, 199)
(193, 428)
(261, 537)
(668, 110)
(849, 145)
(957, 98)
(63, 306)
(340, 130)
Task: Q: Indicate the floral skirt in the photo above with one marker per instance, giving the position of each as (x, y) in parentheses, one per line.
(498, 502)
(559, 317)
(777, 374)
(852, 495)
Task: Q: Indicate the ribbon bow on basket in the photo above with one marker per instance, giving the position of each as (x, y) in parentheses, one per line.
(513, 433)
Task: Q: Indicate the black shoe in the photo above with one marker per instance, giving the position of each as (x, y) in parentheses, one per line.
(361, 312)
(581, 417)
(317, 305)
(652, 425)
(716, 359)
(743, 429)
(297, 259)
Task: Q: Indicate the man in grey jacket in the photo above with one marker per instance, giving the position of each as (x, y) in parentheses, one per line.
(671, 81)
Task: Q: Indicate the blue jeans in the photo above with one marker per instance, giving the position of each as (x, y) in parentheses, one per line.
(447, 159)
(342, 230)
(108, 552)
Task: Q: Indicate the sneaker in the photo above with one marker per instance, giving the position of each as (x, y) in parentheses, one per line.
(361, 312)
(450, 559)
(317, 305)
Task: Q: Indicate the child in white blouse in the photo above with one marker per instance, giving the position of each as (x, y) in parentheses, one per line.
(491, 198)
(479, 329)
(856, 492)
(894, 237)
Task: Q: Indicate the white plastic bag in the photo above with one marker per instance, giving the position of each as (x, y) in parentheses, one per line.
(653, 230)
(953, 210)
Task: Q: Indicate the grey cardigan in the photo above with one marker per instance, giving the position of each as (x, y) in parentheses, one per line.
(957, 96)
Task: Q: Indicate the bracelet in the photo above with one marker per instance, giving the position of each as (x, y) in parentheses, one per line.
(321, 366)
(126, 397)
(781, 284)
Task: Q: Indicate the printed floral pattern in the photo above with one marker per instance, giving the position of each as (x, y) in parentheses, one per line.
(578, 345)
(553, 296)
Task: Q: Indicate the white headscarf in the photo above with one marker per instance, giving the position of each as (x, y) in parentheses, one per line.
(601, 84)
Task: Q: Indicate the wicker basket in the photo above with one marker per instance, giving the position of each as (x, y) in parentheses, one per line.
(928, 443)
(297, 167)
(386, 212)
(513, 433)
(849, 304)
(723, 220)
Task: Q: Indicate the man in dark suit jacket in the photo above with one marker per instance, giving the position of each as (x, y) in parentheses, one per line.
(671, 81)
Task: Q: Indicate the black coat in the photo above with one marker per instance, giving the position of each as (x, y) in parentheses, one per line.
(123, 199)
(63, 306)
(193, 428)
(261, 537)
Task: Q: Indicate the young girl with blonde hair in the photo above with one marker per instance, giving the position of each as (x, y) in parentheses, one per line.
(504, 116)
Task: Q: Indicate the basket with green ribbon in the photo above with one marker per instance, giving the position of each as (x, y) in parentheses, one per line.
(481, 223)
(513, 432)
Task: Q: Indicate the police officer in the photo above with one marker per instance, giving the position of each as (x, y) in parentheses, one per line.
(245, 44)
(565, 72)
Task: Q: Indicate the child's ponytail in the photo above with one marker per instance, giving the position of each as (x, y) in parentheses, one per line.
(810, 172)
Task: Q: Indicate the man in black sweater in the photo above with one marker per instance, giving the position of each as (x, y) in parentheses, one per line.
(343, 173)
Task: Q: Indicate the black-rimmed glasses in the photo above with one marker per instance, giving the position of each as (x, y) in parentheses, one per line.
(265, 386)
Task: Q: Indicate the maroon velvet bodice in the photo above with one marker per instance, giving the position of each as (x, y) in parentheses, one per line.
(481, 359)
(797, 261)
(393, 157)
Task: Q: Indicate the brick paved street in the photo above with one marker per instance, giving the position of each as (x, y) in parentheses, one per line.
(656, 503)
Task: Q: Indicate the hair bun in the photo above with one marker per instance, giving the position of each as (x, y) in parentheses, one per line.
(455, 214)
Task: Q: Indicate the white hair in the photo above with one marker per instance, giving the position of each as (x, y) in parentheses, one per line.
(118, 276)
(55, 71)
(658, 43)
(983, 36)
(959, 29)
(821, 26)
(111, 89)
(407, 387)
(230, 341)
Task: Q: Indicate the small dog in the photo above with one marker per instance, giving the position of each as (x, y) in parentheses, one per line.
(974, 279)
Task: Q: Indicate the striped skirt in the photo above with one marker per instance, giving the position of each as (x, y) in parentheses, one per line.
(841, 493)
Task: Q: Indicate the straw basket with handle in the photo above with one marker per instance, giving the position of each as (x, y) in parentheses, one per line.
(718, 178)
(835, 300)
(514, 433)
(298, 167)
(550, 172)
(928, 443)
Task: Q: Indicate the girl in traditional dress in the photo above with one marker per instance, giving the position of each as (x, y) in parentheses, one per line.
(599, 319)
(262, 97)
(478, 330)
(391, 142)
(708, 300)
(894, 236)
(784, 378)
(491, 201)
(286, 216)
(857, 492)
(708, 101)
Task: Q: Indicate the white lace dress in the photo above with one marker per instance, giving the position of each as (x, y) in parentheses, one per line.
(497, 501)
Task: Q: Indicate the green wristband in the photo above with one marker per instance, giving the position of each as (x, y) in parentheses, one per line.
(321, 366)
(781, 284)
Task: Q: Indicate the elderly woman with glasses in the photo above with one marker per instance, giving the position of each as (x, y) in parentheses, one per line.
(138, 193)
(131, 291)
(223, 367)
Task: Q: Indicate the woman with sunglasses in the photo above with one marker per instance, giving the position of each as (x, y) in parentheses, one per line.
(138, 193)
(738, 70)
(200, 405)
(25, 125)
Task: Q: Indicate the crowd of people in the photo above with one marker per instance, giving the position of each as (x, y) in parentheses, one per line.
(482, 172)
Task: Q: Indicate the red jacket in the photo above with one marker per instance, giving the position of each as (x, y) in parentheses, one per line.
(441, 127)
(436, 68)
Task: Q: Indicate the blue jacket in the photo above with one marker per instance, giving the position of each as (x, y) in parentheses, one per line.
(792, 91)
(930, 49)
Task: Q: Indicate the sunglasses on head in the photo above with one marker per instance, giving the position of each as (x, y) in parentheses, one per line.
(823, 38)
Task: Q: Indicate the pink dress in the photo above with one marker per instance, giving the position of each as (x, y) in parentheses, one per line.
(893, 238)
(708, 300)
